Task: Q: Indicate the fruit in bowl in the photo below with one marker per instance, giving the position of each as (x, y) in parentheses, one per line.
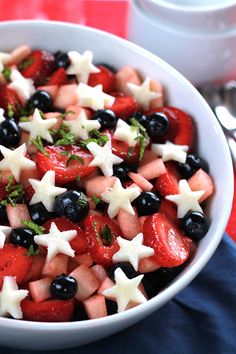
(102, 185)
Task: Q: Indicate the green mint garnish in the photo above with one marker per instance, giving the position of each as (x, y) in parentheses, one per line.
(39, 230)
(15, 193)
(78, 178)
(74, 157)
(10, 111)
(24, 119)
(82, 201)
(66, 113)
(95, 199)
(6, 73)
(142, 138)
(25, 64)
(32, 251)
(95, 137)
(63, 136)
(106, 235)
(38, 142)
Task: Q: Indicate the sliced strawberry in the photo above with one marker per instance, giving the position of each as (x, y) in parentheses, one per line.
(168, 183)
(38, 66)
(59, 77)
(9, 100)
(78, 243)
(168, 209)
(124, 106)
(101, 245)
(15, 262)
(122, 149)
(105, 77)
(3, 192)
(57, 161)
(47, 311)
(171, 247)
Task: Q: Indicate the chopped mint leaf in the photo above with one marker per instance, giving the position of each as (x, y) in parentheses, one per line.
(78, 178)
(39, 230)
(82, 201)
(66, 113)
(95, 137)
(142, 138)
(106, 235)
(73, 157)
(32, 251)
(10, 111)
(25, 64)
(3, 202)
(15, 193)
(38, 142)
(9, 184)
(65, 153)
(6, 73)
(84, 143)
(95, 199)
(63, 136)
(24, 119)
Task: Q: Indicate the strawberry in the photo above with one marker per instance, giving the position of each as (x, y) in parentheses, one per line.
(168, 209)
(105, 77)
(47, 311)
(78, 243)
(171, 246)
(9, 100)
(124, 106)
(15, 262)
(167, 183)
(57, 161)
(38, 66)
(3, 192)
(59, 77)
(122, 149)
(101, 233)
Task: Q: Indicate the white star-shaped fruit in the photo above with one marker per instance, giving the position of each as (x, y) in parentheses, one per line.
(120, 198)
(81, 65)
(170, 151)
(125, 290)
(81, 126)
(39, 127)
(45, 190)
(56, 241)
(4, 232)
(142, 93)
(2, 117)
(94, 97)
(186, 200)
(15, 160)
(103, 157)
(10, 298)
(125, 132)
(24, 87)
(132, 251)
(3, 59)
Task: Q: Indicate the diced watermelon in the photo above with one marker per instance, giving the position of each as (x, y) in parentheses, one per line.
(97, 185)
(125, 75)
(201, 181)
(16, 214)
(40, 289)
(56, 115)
(129, 224)
(87, 282)
(152, 169)
(72, 264)
(28, 173)
(74, 110)
(36, 268)
(156, 87)
(142, 220)
(148, 156)
(95, 306)
(141, 181)
(51, 89)
(106, 284)
(4, 177)
(56, 266)
(100, 272)
(84, 259)
(147, 265)
(19, 54)
(66, 96)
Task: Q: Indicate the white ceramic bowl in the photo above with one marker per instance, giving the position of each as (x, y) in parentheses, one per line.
(211, 145)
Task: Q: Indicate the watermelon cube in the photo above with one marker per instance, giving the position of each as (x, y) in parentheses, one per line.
(142, 182)
(16, 214)
(84, 259)
(129, 224)
(106, 284)
(36, 268)
(56, 266)
(87, 282)
(148, 264)
(152, 169)
(125, 75)
(97, 185)
(66, 96)
(201, 181)
(95, 306)
(40, 289)
(99, 272)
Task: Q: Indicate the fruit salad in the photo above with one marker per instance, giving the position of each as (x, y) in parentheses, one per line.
(101, 190)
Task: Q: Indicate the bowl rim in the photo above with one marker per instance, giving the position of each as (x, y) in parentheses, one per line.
(177, 285)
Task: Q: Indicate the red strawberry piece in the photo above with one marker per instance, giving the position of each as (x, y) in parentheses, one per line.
(9, 100)
(57, 161)
(29, 192)
(38, 66)
(168, 183)
(47, 311)
(105, 77)
(59, 77)
(14, 262)
(122, 149)
(78, 243)
(3, 193)
(168, 209)
(171, 246)
(101, 245)
(124, 106)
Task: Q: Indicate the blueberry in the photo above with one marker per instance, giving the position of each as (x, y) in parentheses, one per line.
(147, 203)
(3, 215)
(157, 125)
(140, 117)
(41, 100)
(195, 225)
(106, 118)
(24, 237)
(121, 171)
(111, 307)
(63, 287)
(62, 60)
(39, 214)
(127, 268)
(101, 206)
(191, 165)
(10, 133)
(72, 205)
(80, 313)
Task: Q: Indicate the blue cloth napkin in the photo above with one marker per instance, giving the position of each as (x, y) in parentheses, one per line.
(200, 320)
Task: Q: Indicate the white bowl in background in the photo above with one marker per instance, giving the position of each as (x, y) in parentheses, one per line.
(211, 145)
(198, 40)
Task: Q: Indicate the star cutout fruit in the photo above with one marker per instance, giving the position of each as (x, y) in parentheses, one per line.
(127, 133)
(143, 94)
(132, 251)
(81, 65)
(93, 97)
(4, 232)
(169, 151)
(10, 298)
(125, 290)
(81, 126)
(56, 241)
(24, 87)
(39, 127)
(120, 198)
(4, 57)
(103, 157)
(45, 190)
(2, 117)
(186, 200)
(15, 160)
